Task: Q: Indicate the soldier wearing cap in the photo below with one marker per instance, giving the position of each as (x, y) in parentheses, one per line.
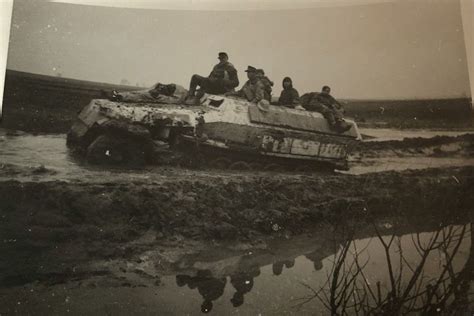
(253, 90)
(223, 78)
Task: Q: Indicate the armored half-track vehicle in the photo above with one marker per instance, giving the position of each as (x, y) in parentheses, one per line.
(221, 132)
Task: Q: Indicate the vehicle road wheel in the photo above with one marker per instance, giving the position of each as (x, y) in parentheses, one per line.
(220, 163)
(107, 149)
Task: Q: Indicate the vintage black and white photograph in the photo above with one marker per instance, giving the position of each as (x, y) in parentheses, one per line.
(238, 157)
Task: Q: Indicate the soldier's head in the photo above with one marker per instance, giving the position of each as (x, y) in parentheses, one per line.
(237, 299)
(326, 90)
(318, 265)
(251, 72)
(223, 57)
(206, 306)
(260, 73)
(287, 83)
(165, 89)
(277, 268)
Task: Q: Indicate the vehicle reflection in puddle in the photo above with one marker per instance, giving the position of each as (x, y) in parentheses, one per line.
(427, 272)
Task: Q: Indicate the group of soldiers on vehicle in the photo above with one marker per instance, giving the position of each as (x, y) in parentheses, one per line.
(223, 80)
(258, 89)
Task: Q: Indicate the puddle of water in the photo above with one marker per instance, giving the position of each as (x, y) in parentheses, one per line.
(50, 151)
(30, 151)
(276, 282)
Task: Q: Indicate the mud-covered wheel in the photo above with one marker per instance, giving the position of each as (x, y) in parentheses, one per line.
(220, 163)
(107, 149)
(240, 165)
(197, 160)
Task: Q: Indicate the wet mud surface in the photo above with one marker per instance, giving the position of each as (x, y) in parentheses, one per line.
(85, 240)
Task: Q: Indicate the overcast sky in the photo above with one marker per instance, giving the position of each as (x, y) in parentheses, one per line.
(392, 49)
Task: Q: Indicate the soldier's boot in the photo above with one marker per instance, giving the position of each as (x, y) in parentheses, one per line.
(342, 126)
(199, 94)
(195, 81)
(115, 96)
(336, 123)
(191, 100)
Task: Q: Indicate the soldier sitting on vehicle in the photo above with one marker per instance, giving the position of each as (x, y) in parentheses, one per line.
(253, 90)
(159, 93)
(325, 104)
(268, 84)
(223, 78)
(289, 96)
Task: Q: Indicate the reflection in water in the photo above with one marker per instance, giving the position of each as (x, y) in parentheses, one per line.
(209, 287)
(421, 273)
(316, 258)
(243, 283)
(278, 266)
(375, 271)
(410, 289)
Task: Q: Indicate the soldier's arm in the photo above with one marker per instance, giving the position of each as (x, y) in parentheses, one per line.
(233, 78)
(335, 103)
(212, 72)
(313, 102)
(296, 97)
(280, 101)
(239, 93)
(269, 81)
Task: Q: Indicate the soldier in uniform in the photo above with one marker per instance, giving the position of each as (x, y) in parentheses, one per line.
(267, 83)
(159, 93)
(325, 104)
(253, 90)
(223, 78)
(289, 96)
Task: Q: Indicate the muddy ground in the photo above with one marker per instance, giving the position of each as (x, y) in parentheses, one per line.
(71, 230)
(73, 237)
(52, 221)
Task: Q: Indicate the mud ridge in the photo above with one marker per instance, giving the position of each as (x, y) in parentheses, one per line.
(44, 217)
(419, 142)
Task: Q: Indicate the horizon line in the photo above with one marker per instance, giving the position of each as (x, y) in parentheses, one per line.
(340, 98)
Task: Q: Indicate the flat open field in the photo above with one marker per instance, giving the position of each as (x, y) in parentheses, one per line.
(423, 113)
(44, 104)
